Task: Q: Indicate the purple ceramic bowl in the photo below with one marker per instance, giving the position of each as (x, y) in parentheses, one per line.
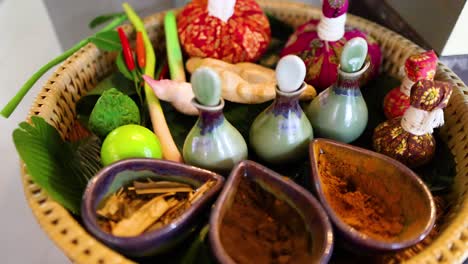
(112, 177)
(314, 216)
(414, 199)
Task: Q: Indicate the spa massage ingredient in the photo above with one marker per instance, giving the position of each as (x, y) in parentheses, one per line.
(112, 110)
(364, 212)
(259, 228)
(140, 50)
(146, 206)
(126, 50)
(130, 141)
(59, 167)
(160, 128)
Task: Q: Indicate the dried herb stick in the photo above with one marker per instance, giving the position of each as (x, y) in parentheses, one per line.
(170, 150)
(147, 206)
(13, 103)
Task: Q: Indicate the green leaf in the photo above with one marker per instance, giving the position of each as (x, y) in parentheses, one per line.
(123, 67)
(60, 168)
(99, 20)
(107, 40)
(199, 251)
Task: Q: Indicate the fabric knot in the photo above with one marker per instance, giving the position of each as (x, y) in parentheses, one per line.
(334, 8)
(427, 98)
(221, 9)
(421, 66)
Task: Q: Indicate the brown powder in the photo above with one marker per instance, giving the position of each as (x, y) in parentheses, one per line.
(366, 213)
(259, 228)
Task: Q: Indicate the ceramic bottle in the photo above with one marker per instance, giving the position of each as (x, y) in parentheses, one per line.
(282, 132)
(340, 112)
(213, 143)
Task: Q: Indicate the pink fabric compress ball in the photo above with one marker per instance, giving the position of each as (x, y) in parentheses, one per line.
(320, 42)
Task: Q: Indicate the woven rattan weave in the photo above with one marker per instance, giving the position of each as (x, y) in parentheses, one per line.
(79, 73)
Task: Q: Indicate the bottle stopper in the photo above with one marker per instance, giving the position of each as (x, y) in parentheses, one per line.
(290, 73)
(206, 86)
(353, 55)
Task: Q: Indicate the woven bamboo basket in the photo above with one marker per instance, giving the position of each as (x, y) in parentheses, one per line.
(84, 69)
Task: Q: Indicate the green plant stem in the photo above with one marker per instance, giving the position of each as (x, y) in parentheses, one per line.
(174, 53)
(137, 86)
(160, 127)
(14, 102)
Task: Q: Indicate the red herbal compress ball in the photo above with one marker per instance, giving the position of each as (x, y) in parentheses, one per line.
(230, 30)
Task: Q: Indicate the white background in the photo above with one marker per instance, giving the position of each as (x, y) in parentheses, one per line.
(27, 41)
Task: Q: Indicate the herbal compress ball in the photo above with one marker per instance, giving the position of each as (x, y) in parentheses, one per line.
(233, 31)
(420, 66)
(409, 139)
(113, 109)
(320, 42)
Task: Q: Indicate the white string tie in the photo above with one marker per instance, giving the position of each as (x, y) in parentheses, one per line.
(419, 122)
(406, 85)
(222, 9)
(331, 29)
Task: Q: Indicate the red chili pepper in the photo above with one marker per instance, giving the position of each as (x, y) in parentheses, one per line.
(140, 50)
(126, 49)
(164, 72)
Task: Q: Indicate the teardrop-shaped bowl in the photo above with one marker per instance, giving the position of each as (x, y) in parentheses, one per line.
(283, 191)
(398, 187)
(111, 178)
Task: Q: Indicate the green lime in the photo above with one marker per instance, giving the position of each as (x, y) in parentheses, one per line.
(130, 141)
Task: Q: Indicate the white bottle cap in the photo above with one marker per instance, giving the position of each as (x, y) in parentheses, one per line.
(290, 73)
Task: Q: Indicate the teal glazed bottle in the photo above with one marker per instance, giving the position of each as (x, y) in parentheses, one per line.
(282, 132)
(340, 112)
(213, 143)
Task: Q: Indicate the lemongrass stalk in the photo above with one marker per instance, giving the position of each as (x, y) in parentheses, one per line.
(14, 102)
(169, 148)
(174, 54)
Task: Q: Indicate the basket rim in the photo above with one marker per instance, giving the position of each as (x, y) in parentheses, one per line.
(55, 220)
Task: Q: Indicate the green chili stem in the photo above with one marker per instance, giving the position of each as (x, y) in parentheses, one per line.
(137, 86)
(14, 102)
(174, 54)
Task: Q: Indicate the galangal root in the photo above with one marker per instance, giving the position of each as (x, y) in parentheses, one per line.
(244, 82)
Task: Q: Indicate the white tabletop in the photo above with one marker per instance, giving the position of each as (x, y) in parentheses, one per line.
(27, 42)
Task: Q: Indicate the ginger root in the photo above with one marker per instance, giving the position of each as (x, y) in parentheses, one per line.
(244, 82)
(179, 94)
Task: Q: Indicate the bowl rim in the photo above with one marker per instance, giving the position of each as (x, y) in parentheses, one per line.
(356, 236)
(214, 235)
(89, 215)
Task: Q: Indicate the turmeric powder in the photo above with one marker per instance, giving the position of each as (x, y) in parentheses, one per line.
(366, 213)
